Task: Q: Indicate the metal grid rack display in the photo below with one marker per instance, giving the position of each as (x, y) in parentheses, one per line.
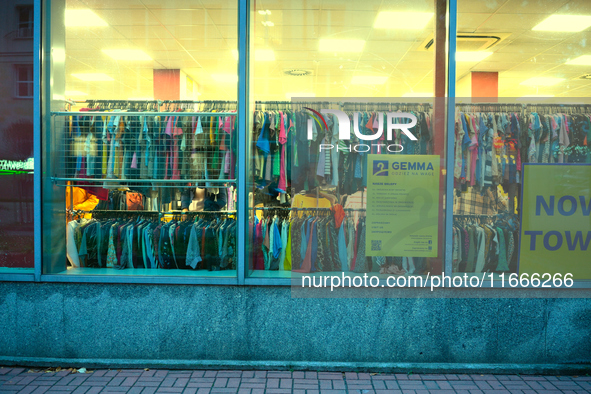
(120, 143)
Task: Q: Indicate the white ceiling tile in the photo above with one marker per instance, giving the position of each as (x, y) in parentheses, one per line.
(575, 7)
(223, 16)
(112, 4)
(468, 22)
(127, 17)
(508, 22)
(531, 6)
(486, 6)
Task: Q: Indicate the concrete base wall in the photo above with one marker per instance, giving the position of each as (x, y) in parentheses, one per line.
(181, 326)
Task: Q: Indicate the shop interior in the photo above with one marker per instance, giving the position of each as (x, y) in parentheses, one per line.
(181, 56)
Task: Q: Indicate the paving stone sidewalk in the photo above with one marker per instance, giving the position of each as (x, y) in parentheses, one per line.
(139, 381)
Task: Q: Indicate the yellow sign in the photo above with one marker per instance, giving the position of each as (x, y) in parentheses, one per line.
(556, 220)
(402, 205)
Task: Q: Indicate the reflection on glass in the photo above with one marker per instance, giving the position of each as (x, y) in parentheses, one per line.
(147, 139)
(517, 74)
(16, 132)
(309, 190)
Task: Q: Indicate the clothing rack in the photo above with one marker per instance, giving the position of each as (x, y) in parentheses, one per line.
(559, 108)
(346, 106)
(490, 107)
(160, 214)
(474, 215)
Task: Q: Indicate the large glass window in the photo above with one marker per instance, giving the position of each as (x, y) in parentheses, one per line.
(16, 131)
(143, 138)
(314, 201)
(521, 179)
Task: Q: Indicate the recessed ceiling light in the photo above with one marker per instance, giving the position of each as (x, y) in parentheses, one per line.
(418, 94)
(127, 54)
(542, 81)
(75, 93)
(584, 60)
(471, 56)
(265, 12)
(260, 55)
(225, 78)
(402, 20)
(567, 23)
(331, 45)
(368, 80)
(299, 94)
(83, 18)
(93, 77)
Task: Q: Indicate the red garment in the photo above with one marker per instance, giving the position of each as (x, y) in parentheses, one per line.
(101, 193)
(339, 214)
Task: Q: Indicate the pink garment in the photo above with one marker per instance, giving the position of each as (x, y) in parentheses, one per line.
(176, 130)
(168, 129)
(282, 135)
(227, 162)
(473, 156)
(134, 161)
(228, 125)
(282, 185)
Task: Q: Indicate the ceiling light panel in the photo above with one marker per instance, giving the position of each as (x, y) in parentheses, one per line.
(584, 60)
(83, 18)
(402, 20)
(564, 23)
(472, 56)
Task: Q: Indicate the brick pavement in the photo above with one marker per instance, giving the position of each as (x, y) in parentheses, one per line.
(139, 381)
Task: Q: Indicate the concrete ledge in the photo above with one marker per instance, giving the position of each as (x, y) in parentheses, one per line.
(524, 369)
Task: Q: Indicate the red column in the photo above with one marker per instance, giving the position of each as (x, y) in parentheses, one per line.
(485, 86)
(439, 108)
(167, 84)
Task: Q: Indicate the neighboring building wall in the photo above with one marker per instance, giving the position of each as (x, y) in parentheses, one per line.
(179, 326)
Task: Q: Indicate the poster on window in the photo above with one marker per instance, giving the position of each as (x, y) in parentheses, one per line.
(402, 205)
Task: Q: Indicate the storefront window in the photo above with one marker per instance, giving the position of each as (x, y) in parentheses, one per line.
(521, 179)
(16, 131)
(316, 206)
(143, 138)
